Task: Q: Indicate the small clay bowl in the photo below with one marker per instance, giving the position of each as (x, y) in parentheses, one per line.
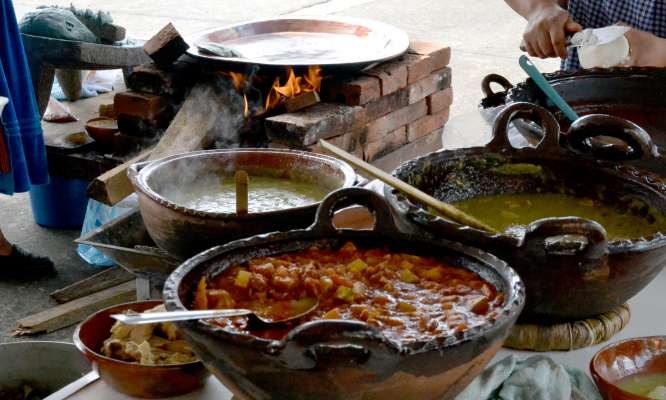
(628, 357)
(135, 380)
(102, 130)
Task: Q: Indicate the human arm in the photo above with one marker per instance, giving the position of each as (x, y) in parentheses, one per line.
(548, 25)
(645, 49)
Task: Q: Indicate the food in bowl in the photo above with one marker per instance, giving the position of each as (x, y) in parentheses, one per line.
(651, 385)
(409, 298)
(265, 194)
(25, 392)
(511, 213)
(148, 344)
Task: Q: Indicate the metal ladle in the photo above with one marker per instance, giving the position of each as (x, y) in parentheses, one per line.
(305, 307)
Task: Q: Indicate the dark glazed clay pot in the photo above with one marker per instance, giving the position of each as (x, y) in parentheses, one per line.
(570, 269)
(184, 232)
(337, 359)
(635, 94)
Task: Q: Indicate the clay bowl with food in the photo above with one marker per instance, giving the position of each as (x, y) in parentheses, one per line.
(128, 376)
(634, 94)
(32, 370)
(583, 233)
(373, 335)
(187, 201)
(102, 129)
(632, 369)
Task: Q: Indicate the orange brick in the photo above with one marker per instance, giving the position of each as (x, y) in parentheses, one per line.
(438, 80)
(387, 104)
(321, 121)
(424, 125)
(137, 104)
(350, 141)
(439, 54)
(424, 58)
(427, 144)
(391, 122)
(352, 92)
(388, 143)
(439, 101)
(392, 76)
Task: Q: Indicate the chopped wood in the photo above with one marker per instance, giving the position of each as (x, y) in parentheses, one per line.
(301, 101)
(113, 186)
(107, 110)
(210, 113)
(166, 46)
(103, 280)
(70, 313)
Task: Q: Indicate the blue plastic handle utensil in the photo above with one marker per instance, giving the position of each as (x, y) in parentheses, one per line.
(542, 83)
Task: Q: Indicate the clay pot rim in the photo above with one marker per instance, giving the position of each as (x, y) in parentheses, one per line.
(521, 90)
(139, 180)
(87, 351)
(593, 361)
(423, 218)
(509, 312)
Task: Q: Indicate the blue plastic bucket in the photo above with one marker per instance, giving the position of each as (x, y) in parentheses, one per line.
(61, 203)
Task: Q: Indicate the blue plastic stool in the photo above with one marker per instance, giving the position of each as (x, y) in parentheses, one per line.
(60, 204)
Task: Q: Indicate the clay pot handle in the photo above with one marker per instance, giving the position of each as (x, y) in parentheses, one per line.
(134, 170)
(532, 112)
(638, 141)
(346, 197)
(323, 341)
(494, 78)
(557, 236)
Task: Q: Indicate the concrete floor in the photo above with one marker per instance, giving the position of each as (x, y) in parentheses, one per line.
(483, 34)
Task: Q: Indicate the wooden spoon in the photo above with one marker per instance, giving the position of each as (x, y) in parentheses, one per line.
(241, 192)
(445, 209)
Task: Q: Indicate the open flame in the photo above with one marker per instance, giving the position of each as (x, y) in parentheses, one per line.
(278, 93)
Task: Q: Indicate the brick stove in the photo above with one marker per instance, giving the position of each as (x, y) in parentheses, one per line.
(385, 115)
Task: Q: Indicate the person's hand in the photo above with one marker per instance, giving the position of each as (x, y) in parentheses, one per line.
(547, 28)
(645, 50)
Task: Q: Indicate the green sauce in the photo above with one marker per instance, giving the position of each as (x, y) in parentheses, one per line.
(264, 194)
(511, 213)
(648, 385)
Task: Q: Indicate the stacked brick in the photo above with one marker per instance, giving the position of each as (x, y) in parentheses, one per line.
(401, 104)
(147, 108)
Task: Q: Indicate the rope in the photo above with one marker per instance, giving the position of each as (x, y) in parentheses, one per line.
(571, 335)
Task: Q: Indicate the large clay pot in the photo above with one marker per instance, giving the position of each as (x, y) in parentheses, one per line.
(339, 359)
(570, 268)
(185, 232)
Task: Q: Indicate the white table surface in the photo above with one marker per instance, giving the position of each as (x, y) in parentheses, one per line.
(648, 318)
(648, 308)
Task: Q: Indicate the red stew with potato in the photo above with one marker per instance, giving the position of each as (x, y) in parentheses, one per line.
(409, 298)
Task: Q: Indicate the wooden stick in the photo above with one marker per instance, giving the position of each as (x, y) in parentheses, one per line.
(301, 101)
(445, 209)
(113, 186)
(75, 311)
(103, 280)
(241, 192)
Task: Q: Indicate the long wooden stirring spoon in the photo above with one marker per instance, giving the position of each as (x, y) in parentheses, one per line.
(241, 192)
(445, 209)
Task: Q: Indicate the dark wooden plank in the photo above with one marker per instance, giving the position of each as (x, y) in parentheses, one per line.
(103, 280)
